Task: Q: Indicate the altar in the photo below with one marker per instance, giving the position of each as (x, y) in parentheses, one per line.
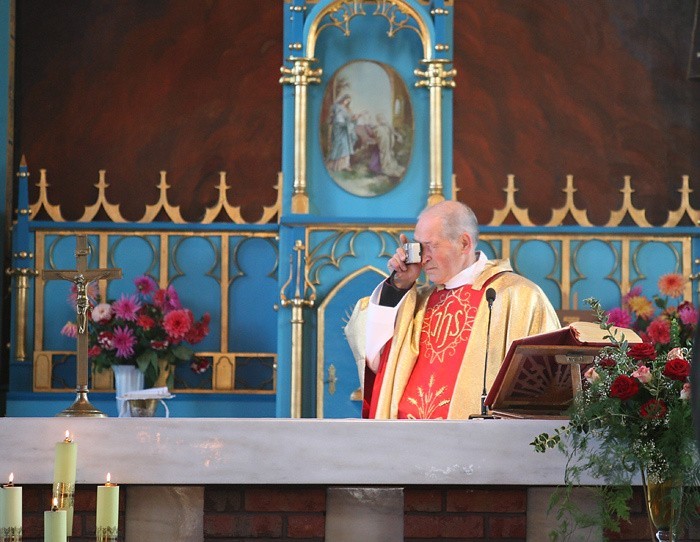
(177, 472)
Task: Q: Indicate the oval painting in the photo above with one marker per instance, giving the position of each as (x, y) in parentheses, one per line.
(366, 128)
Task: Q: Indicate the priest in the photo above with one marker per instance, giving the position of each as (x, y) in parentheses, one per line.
(421, 350)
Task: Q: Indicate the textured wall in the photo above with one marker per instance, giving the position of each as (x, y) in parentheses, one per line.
(545, 88)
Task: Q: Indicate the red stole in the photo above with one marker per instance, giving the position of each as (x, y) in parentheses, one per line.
(445, 332)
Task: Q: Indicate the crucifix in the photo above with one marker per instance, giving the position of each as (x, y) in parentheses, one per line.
(81, 276)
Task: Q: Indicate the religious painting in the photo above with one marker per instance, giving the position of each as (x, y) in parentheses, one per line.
(366, 128)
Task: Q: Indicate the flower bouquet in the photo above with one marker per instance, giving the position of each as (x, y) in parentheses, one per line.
(142, 329)
(633, 418)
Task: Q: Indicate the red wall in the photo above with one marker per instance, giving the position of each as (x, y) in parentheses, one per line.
(545, 88)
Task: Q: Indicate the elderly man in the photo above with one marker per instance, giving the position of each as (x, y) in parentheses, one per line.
(425, 347)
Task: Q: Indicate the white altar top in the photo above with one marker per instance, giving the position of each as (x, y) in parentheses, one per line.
(201, 451)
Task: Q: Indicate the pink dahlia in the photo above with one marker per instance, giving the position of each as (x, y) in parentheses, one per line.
(688, 313)
(126, 307)
(167, 299)
(145, 285)
(70, 330)
(619, 317)
(145, 322)
(124, 342)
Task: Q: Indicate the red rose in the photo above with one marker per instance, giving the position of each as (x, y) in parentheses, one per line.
(653, 408)
(641, 351)
(624, 387)
(607, 363)
(677, 369)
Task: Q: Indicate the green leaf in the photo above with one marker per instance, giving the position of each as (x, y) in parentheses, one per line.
(182, 352)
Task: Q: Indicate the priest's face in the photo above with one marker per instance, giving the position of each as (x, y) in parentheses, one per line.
(442, 257)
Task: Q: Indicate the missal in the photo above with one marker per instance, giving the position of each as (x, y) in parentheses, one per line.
(541, 373)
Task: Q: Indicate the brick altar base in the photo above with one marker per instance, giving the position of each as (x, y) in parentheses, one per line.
(298, 513)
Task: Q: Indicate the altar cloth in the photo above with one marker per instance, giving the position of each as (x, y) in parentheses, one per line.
(202, 451)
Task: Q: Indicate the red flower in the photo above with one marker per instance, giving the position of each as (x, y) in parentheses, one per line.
(677, 369)
(94, 351)
(653, 408)
(199, 330)
(624, 387)
(659, 331)
(200, 365)
(641, 351)
(608, 363)
(145, 322)
(178, 322)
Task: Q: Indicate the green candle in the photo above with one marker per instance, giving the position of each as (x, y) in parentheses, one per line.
(55, 524)
(10, 509)
(107, 520)
(66, 459)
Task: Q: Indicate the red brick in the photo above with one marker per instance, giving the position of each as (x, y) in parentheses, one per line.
(443, 526)
(86, 498)
(306, 526)
(487, 500)
(462, 526)
(32, 525)
(258, 525)
(507, 526)
(285, 499)
(423, 500)
(218, 524)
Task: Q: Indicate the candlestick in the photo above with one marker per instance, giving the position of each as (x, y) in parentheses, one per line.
(11, 511)
(64, 470)
(107, 520)
(55, 527)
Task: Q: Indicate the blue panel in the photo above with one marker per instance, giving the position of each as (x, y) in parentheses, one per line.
(539, 261)
(135, 256)
(598, 273)
(253, 295)
(338, 353)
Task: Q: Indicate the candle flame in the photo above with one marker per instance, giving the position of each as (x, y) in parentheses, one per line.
(68, 437)
(109, 477)
(12, 477)
(54, 503)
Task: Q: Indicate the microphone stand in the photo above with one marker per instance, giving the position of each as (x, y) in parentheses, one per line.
(490, 298)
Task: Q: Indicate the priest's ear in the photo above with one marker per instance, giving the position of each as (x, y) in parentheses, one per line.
(467, 243)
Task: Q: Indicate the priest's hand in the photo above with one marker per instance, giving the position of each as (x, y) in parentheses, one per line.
(404, 275)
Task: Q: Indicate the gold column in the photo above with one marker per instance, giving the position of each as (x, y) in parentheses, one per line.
(21, 286)
(298, 302)
(435, 78)
(300, 75)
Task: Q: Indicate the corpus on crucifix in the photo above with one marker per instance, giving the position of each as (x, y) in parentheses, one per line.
(81, 276)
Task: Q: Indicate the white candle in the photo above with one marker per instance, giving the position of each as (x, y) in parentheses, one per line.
(11, 508)
(64, 471)
(107, 520)
(55, 524)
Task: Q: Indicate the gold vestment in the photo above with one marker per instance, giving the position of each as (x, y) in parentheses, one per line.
(521, 309)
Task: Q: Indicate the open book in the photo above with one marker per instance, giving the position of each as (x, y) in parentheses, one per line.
(541, 373)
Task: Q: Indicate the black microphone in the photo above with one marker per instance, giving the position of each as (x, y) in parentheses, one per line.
(490, 298)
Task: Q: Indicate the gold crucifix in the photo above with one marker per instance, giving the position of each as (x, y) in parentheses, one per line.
(81, 277)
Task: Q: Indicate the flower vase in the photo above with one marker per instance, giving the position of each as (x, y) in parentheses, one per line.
(126, 378)
(164, 372)
(663, 503)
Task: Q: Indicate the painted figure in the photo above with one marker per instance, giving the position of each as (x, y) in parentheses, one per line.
(343, 136)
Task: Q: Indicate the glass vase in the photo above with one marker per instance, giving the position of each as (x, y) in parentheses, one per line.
(126, 378)
(663, 500)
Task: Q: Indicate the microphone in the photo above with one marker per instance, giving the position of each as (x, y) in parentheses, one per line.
(490, 298)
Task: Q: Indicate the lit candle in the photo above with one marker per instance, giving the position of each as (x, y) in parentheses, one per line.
(11, 510)
(107, 521)
(66, 459)
(55, 524)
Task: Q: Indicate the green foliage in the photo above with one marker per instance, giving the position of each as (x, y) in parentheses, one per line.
(633, 417)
